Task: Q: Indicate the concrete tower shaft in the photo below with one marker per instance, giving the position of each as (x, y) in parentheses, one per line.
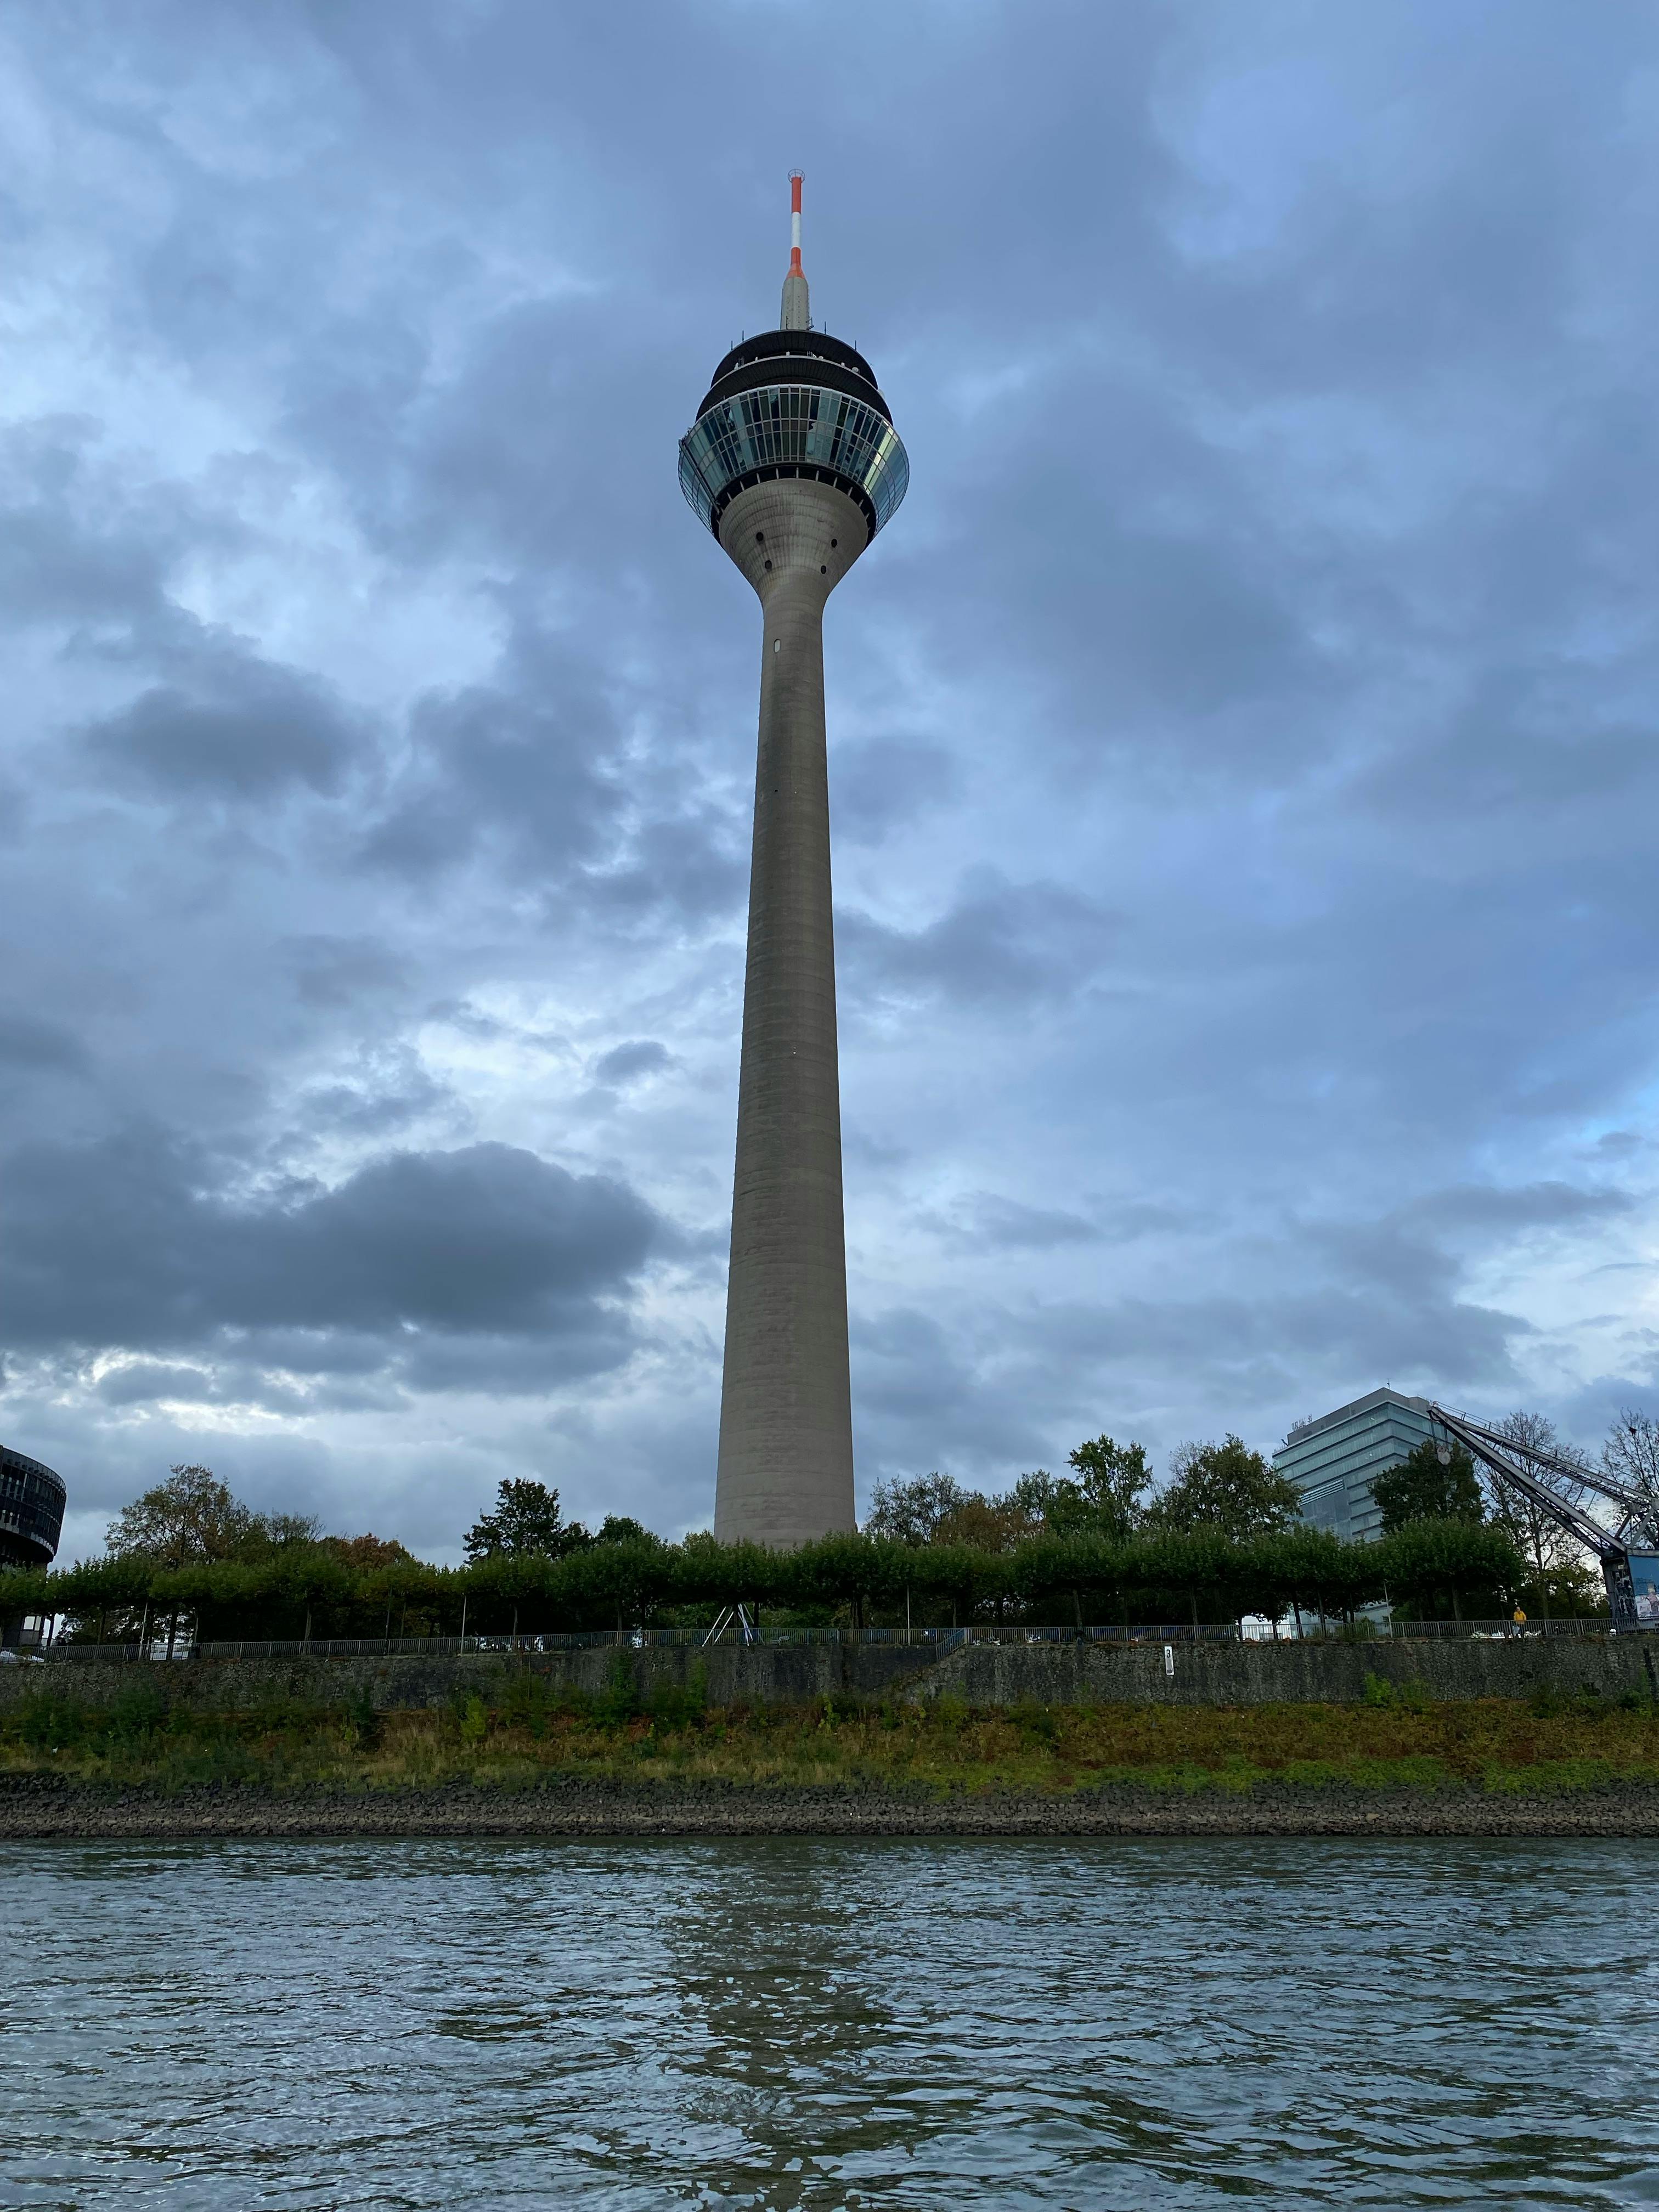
(785, 1452)
(794, 463)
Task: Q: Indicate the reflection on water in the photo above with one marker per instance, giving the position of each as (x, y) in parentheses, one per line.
(947, 2023)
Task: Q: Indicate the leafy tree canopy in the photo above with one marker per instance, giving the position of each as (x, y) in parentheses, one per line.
(1112, 1479)
(935, 1508)
(913, 1512)
(1225, 1488)
(1101, 1498)
(622, 1529)
(367, 1552)
(526, 1520)
(1422, 1488)
(193, 1518)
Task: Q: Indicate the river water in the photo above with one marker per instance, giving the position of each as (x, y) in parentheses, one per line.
(826, 2023)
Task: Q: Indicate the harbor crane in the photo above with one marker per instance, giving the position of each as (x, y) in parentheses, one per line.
(1562, 1490)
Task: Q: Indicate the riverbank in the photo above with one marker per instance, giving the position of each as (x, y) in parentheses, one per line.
(43, 1808)
(1392, 1763)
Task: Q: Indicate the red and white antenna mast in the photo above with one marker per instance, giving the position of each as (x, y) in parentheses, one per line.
(796, 313)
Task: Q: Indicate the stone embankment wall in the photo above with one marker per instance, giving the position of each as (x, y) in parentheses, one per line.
(979, 1674)
(1289, 1674)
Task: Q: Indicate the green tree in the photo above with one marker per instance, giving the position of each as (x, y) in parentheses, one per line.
(1224, 1489)
(1101, 1497)
(193, 1520)
(1113, 1478)
(190, 1516)
(622, 1529)
(1455, 1563)
(913, 1512)
(1425, 1487)
(526, 1519)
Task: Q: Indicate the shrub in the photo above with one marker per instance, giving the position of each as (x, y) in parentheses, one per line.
(1035, 1723)
(51, 1723)
(138, 1713)
(678, 1707)
(619, 1701)
(526, 1702)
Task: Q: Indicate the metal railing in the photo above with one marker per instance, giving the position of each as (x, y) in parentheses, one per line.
(936, 1641)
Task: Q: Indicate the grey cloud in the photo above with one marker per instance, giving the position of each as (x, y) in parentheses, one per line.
(1255, 1348)
(626, 1063)
(880, 786)
(138, 1381)
(243, 730)
(1622, 1144)
(338, 971)
(989, 1221)
(1533, 1206)
(138, 1243)
(999, 943)
(382, 1100)
(30, 1045)
(76, 548)
(519, 774)
(914, 1386)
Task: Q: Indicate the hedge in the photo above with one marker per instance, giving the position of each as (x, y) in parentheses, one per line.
(1434, 1566)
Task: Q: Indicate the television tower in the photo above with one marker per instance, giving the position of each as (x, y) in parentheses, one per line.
(794, 464)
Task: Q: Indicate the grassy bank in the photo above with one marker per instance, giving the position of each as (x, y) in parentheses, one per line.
(522, 1739)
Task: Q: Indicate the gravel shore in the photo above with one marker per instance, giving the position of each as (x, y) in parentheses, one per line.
(37, 1807)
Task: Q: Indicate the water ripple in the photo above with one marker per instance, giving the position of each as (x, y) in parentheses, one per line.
(819, 2023)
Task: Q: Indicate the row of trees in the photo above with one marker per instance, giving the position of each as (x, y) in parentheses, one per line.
(1225, 1490)
(316, 1588)
(308, 1588)
(1221, 1536)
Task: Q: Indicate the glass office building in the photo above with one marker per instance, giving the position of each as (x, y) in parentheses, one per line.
(1335, 1460)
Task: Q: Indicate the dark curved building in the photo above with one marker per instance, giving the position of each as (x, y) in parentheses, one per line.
(32, 1501)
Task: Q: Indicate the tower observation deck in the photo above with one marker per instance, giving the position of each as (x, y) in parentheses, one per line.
(794, 463)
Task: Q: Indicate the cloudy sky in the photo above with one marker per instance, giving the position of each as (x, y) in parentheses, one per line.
(1243, 742)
